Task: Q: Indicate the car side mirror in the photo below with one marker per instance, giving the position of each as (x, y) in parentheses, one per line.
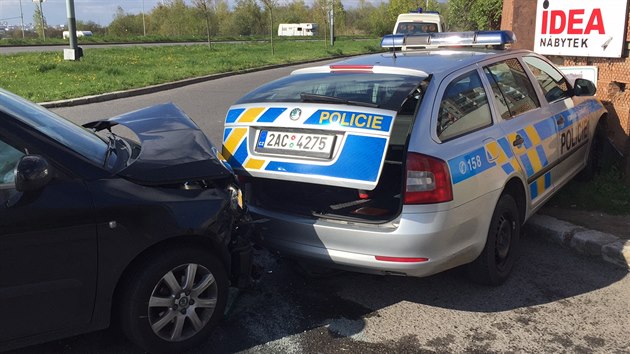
(33, 172)
(583, 87)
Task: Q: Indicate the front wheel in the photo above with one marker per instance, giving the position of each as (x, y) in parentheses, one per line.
(173, 299)
(494, 264)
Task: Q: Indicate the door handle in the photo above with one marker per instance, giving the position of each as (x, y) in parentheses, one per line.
(518, 141)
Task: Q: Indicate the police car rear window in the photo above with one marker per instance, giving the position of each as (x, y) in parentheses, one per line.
(387, 91)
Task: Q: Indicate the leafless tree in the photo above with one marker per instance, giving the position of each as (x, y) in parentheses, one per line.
(270, 4)
(205, 6)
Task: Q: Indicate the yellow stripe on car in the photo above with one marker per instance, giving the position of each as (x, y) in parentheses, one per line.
(233, 141)
(533, 135)
(250, 115)
(254, 164)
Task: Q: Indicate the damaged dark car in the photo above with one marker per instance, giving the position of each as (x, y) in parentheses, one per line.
(144, 227)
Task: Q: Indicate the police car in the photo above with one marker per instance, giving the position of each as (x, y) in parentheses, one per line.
(416, 161)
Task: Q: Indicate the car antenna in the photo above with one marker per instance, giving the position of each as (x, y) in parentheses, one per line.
(393, 47)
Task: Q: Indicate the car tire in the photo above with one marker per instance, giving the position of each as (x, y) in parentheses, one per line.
(494, 264)
(173, 299)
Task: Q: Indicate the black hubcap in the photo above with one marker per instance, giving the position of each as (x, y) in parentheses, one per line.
(503, 240)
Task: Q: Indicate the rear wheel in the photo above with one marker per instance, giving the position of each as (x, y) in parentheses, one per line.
(173, 299)
(494, 264)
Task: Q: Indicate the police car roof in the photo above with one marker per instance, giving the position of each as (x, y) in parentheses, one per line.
(435, 61)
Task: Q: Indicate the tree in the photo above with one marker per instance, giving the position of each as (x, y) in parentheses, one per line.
(358, 19)
(90, 26)
(223, 15)
(39, 20)
(379, 19)
(487, 14)
(125, 24)
(174, 18)
(270, 4)
(205, 7)
(397, 7)
(321, 15)
(294, 12)
(246, 20)
(474, 15)
(339, 13)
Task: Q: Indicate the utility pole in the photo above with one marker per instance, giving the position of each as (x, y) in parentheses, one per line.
(22, 18)
(75, 52)
(144, 26)
(332, 22)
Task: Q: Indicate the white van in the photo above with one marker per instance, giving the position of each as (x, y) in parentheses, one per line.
(297, 29)
(417, 23)
(66, 34)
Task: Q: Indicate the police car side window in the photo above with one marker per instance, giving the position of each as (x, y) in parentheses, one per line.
(553, 84)
(499, 99)
(512, 88)
(464, 107)
(9, 158)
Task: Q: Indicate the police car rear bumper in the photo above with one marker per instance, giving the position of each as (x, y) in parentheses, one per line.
(445, 238)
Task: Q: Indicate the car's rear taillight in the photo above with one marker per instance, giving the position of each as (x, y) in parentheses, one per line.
(428, 180)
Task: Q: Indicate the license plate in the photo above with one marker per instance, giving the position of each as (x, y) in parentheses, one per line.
(297, 144)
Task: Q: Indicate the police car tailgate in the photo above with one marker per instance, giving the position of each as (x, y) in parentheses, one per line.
(328, 144)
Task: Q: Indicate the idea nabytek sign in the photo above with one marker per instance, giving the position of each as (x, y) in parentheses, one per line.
(586, 28)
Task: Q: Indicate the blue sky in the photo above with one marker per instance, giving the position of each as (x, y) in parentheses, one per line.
(99, 11)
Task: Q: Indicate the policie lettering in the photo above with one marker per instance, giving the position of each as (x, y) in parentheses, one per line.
(574, 136)
(352, 120)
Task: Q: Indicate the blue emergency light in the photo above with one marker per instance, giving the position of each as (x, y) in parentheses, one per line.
(448, 39)
(420, 11)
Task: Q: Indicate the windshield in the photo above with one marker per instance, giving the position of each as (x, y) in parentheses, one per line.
(412, 28)
(61, 130)
(387, 91)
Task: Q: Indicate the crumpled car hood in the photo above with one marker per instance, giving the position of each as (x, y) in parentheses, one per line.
(173, 148)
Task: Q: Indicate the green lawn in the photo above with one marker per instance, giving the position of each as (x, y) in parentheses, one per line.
(42, 77)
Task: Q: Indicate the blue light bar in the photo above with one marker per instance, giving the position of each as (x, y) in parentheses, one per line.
(448, 39)
(393, 41)
(420, 11)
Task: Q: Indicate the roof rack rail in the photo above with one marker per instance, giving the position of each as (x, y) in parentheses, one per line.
(497, 39)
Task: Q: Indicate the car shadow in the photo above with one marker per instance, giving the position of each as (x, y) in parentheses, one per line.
(286, 304)
(285, 308)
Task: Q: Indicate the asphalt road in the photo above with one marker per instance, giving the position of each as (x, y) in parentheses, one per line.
(206, 103)
(555, 301)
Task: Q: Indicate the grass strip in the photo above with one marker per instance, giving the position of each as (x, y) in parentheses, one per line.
(45, 76)
(606, 192)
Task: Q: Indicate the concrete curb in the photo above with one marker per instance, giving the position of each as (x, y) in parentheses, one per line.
(594, 243)
(168, 86)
